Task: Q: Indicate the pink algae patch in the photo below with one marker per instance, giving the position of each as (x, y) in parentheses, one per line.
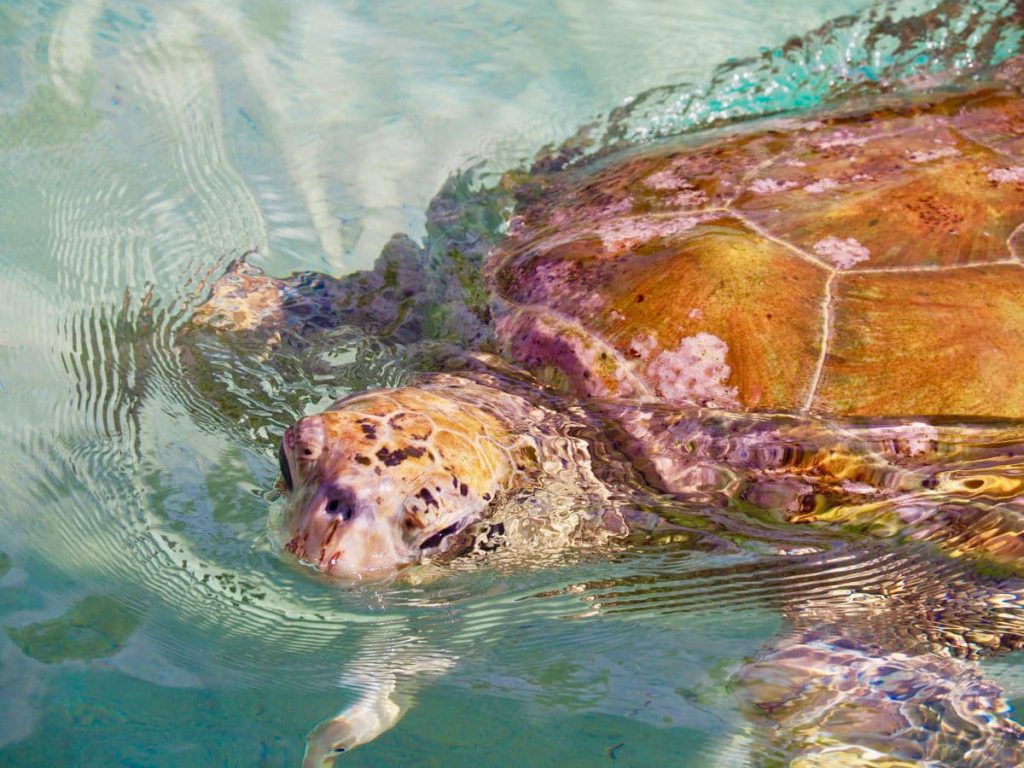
(591, 303)
(933, 154)
(568, 216)
(532, 340)
(842, 138)
(843, 253)
(1007, 175)
(689, 198)
(687, 195)
(550, 279)
(667, 180)
(770, 186)
(914, 439)
(642, 345)
(620, 234)
(822, 185)
(695, 372)
(860, 489)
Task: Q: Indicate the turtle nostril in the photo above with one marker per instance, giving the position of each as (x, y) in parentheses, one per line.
(340, 507)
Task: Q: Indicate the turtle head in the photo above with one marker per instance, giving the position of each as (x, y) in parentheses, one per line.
(381, 479)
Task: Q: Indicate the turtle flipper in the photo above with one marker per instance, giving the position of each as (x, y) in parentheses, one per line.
(386, 300)
(824, 700)
(389, 681)
(373, 714)
(874, 679)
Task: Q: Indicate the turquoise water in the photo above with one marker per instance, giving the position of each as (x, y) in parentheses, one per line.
(149, 618)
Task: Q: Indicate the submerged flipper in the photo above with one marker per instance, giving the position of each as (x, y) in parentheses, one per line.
(870, 680)
(389, 678)
(386, 300)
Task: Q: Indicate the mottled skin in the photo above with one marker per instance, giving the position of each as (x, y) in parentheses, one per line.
(380, 479)
(730, 307)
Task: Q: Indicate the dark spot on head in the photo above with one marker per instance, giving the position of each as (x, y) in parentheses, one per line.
(369, 430)
(395, 422)
(428, 497)
(463, 489)
(436, 539)
(397, 456)
(639, 298)
(974, 483)
(364, 460)
(487, 497)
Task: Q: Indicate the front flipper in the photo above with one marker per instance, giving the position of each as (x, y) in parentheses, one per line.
(864, 680)
(389, 300)
(826, 701)
(375, 712)
(390, 681)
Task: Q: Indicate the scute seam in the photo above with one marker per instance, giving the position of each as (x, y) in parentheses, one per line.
(785, 244)
(826, 334)
(931, 268)
(968, 135)
(1014, 253)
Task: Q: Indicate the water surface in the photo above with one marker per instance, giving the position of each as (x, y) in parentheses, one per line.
(149, 618)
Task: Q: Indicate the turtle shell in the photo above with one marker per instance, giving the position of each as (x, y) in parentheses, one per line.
(864, 263)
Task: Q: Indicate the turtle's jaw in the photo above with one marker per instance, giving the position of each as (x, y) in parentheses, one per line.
(336, 532)
(332, 531)
(360, 526)
(384, 478)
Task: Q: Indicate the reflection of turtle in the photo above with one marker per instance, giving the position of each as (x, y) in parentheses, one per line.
(809, 322)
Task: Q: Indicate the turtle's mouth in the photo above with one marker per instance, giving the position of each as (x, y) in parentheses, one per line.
(434, 541)
(463, 537)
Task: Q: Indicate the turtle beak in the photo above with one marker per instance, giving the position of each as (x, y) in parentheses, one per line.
(339, 533)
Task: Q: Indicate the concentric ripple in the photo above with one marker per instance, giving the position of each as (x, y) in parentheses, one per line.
(149, 616)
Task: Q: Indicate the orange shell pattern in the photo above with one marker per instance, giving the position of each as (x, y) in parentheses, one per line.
(863, 264)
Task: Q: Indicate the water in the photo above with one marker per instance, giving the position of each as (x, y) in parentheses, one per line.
(149, 617)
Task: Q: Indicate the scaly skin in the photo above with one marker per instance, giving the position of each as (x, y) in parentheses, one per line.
(382, 478)
(868, 264)
(379, 477)
(894, 696)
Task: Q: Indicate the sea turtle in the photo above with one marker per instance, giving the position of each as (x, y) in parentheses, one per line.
(804, 321)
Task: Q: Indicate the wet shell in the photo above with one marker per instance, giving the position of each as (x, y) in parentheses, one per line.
(868, 263)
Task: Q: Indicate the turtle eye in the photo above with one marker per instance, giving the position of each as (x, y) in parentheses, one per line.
(286, 472)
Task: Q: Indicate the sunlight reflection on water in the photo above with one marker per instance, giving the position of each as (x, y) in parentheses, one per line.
(141, 147)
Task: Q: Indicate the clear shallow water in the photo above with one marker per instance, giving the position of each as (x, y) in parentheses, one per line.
(149, 618)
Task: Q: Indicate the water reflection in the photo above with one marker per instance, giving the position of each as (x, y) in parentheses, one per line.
(146, 148)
